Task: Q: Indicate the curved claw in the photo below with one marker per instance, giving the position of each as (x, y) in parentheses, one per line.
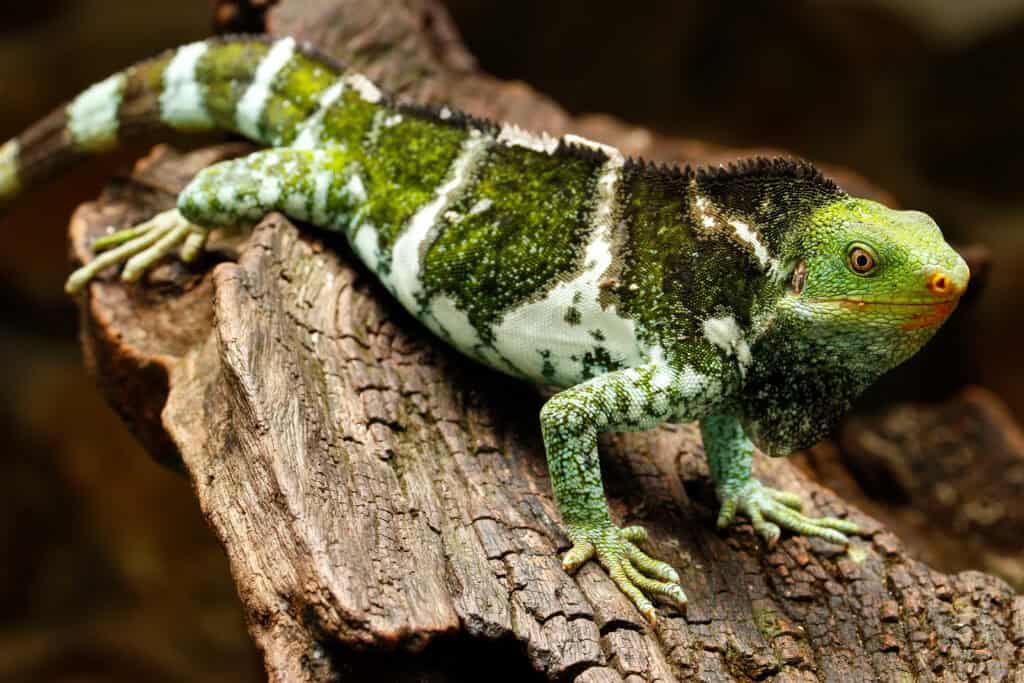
(636, 573)
(770, 511)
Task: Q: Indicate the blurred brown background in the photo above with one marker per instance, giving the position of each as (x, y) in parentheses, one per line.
(108, 571)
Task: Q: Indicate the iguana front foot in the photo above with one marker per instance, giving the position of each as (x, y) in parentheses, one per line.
(629, 567)
(769, 509)
(139, 247)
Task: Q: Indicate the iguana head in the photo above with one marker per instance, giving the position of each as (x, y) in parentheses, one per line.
(866, 287)
(813, 293)
(876, 282)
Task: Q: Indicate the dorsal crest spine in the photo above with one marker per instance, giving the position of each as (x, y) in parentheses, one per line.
(766, 168)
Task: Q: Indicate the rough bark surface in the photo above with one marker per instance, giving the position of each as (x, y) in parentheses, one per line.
(377, 494)
(953, 475)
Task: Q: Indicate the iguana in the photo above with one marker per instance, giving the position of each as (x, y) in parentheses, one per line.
(757, 298)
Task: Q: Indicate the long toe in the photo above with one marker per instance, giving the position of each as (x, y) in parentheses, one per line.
(141, 246)
(87, 272)
(635, 534)
(120, 237)
(627, 586)
(790, 500)
(769, 531)
(650, 566)
(802, 524)
(194, 244)
(843, 525)
(144, 260)
(771, 510)
(577, 555)
(650, 586)
(638, 575)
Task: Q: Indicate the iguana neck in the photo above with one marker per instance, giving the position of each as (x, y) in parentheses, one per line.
(704, 251)
(774, 197)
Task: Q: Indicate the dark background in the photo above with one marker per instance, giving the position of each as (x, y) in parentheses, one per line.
(107, 570)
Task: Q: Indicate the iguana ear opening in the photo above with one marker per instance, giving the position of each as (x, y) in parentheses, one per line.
(799, 278)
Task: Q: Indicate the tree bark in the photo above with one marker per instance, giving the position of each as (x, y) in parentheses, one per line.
(384, 503)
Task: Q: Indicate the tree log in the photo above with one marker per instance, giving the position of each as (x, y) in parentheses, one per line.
(953, 475)
(384, 503)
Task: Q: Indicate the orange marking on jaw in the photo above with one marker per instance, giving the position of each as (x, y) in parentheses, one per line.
(938, 312)
(930, 314)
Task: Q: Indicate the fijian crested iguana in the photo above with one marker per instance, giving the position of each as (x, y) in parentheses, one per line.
(758, 298)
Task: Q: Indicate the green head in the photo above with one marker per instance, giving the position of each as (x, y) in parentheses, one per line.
(875, 281)
(851, 290)
(866, 287)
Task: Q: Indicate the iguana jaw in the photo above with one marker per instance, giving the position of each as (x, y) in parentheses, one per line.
(916, 315)
(862, 303)
(908, 315)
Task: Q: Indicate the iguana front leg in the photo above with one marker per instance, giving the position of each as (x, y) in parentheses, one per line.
(627, 400)
(729, 454)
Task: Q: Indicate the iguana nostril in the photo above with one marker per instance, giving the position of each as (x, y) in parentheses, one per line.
(940, 284)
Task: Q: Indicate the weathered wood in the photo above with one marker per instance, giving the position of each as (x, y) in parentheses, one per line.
(952, 474)
(375, 492)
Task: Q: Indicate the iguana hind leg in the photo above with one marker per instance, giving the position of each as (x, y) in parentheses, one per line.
(308, 185)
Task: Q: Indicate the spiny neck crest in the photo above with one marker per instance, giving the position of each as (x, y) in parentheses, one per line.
(771, 192)
(761, 169)
(756, 202)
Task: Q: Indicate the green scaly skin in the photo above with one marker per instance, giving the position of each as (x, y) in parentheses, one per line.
(759, 298)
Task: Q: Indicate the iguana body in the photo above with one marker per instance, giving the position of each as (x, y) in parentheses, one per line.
(759, 298)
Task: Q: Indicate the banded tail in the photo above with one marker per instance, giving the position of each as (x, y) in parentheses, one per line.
(251, 85)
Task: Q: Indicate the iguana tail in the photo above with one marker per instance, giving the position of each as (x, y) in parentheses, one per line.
(256, 86)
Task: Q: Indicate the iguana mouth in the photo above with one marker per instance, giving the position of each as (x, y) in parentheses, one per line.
(858, 303)
(924, 313)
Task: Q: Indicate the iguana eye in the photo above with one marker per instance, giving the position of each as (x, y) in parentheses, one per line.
(861, 260)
